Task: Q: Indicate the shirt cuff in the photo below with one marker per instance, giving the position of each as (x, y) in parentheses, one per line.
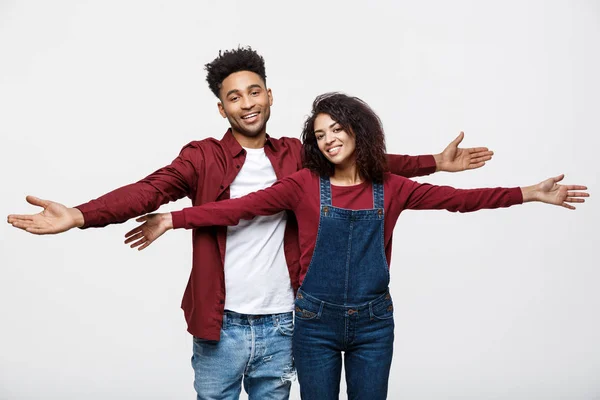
(178, 219)
(429, 164)
(516, 196)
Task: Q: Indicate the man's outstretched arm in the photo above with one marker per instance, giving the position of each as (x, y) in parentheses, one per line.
(169, 183)
(451, 159)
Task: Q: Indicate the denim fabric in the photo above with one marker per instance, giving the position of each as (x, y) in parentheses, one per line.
(255, 350)
(344, 305)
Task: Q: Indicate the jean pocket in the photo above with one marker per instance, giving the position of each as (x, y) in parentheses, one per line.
(306, 310)
(383, 310)
(285, 326)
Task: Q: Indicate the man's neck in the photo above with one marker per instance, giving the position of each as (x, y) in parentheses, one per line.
(255, 142)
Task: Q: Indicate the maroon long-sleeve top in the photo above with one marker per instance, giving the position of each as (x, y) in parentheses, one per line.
(203, 172)
(299, 193)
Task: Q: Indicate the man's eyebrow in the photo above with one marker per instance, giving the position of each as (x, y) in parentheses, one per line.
(255, 85)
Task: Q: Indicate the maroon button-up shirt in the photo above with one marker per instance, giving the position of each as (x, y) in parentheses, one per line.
(203, 171)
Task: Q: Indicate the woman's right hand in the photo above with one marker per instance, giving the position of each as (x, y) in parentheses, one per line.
(154, 225)
(550, 192)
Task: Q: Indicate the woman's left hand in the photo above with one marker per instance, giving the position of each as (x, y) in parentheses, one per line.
(154, 225)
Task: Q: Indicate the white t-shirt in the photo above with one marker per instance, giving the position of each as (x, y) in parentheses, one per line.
(257, 280)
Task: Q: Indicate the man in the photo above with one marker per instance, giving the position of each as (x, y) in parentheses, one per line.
(246, 335)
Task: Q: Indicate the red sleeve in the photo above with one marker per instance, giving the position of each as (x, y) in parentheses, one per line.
(430, 197)
(285, 194)
(410, 166)
(176, 180)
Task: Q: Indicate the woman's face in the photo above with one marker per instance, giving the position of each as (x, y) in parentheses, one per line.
(334, 142)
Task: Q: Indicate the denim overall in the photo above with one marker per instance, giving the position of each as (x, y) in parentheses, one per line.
(344, 305)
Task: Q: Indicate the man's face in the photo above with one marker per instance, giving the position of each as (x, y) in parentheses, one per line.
(246, 103)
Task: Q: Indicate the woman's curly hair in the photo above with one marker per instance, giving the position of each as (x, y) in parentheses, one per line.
(357, 119)
(230, 61)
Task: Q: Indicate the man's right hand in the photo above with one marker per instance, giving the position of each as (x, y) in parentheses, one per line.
(55, 218)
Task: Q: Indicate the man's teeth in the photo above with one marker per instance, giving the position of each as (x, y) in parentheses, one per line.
(250, 116)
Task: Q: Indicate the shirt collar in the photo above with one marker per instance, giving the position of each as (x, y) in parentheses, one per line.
(235, 148)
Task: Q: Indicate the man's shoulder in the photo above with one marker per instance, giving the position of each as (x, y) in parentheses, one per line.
(287, 141)
(204, 145)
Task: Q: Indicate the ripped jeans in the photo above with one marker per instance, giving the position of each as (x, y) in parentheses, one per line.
(255, 350)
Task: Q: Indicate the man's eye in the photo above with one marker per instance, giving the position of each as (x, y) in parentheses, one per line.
(233, 98)
(254, 93)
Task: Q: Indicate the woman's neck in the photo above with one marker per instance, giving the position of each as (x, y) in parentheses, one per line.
(346, 176)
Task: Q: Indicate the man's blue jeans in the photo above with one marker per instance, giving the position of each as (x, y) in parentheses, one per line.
(255, 349)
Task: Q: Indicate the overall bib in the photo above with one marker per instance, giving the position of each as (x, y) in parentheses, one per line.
(344, 305)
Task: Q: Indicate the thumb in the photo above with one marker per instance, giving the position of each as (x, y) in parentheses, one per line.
(558, 178)
(143, 218)
(36, 201)
(458, 139)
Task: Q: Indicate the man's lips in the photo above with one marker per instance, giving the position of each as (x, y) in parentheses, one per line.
(251, 117)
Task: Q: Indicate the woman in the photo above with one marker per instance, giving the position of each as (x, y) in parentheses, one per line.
(347, 206)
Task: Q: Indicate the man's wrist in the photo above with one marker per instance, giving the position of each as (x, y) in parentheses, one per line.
(438, 162)
(77, 217)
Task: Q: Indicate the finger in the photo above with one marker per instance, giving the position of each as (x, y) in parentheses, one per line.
(576, 187)
(36, 201)
(134, 237)
(16, 217)
(476, 165)
(37, 231)
(574, 200)
(474, 150)
(134, 231)
(148, 243)
(458, 139)
(139, 242)
(570, 207)
(558, 178)
(480, 159)
(143, 218)
(578, 194)
(21, 223)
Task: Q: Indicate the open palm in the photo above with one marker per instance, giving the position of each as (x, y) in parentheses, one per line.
(549, 191)
(55, 218)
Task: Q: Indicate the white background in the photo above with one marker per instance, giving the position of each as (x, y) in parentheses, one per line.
(491, 305)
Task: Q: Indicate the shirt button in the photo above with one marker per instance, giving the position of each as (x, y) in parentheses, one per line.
(237, 166)
(222, 186)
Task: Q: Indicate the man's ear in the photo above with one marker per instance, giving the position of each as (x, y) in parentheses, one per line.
(221, 110)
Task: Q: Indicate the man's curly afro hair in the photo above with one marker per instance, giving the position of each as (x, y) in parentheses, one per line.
(230, 61)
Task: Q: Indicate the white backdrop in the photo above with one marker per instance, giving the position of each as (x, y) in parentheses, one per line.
(491, 305)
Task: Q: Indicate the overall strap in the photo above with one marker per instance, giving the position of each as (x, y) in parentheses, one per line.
(325, 191)
(378, 195)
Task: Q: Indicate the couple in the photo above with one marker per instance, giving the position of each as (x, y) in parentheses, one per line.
(345, 203)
